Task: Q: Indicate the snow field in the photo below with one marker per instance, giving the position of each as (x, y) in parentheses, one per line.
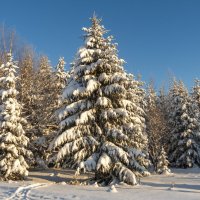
(183, 184)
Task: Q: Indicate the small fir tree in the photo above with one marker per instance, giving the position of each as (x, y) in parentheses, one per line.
(13, 141)
(61, 75)
(162, 165)
(61, 79)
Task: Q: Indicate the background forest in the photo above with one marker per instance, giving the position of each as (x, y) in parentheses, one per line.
(94, 116)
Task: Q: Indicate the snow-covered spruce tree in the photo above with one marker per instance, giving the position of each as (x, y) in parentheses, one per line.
(61, 78)
(195, 95)
(162, 165)
(61, 74)
(151, 96)
(195, 110)
(102, 126)
(184, 148)
(13, 141)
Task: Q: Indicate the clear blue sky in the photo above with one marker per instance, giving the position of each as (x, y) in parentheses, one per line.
(157, 38)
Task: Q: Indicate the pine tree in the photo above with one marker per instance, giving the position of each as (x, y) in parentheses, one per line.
(13, 141)
(102, 126)
(184, 146)
(162, 165)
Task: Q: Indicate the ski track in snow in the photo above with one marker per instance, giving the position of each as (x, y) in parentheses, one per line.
(23, 192)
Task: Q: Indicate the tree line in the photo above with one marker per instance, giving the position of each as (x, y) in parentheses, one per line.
(94, 117)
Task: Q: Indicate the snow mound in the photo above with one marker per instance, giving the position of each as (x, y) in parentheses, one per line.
(112, 189)
(95, 184)
(63, 183)
(52, 174)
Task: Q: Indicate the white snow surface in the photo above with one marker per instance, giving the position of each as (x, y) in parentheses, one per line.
(183, 184)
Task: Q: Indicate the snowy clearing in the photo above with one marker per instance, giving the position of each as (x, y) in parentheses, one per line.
(184, 184)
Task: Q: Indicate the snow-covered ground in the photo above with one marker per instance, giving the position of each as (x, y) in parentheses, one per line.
(184, 184)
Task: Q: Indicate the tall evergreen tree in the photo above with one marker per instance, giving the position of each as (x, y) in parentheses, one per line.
(102, 126)
(184, 146)
(13, 141)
